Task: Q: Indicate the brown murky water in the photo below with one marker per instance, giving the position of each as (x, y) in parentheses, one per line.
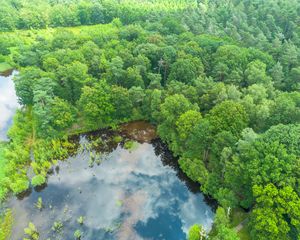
(140, 131)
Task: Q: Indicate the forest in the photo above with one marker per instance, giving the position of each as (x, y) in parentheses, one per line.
(219, 79)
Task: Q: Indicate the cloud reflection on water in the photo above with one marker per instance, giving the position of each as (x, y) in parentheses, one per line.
(8, 103)
(126, 191)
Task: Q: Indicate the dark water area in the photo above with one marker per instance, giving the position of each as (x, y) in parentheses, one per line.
(8, 102)
(124, 194)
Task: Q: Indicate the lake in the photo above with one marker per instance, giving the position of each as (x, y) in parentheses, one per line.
(8, 102)
(127, 194)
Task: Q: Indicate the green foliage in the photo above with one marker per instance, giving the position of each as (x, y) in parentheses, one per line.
(130, 145)
(19, 186)
(80, 220)
(186, 70)
(228, 116)
(31, 232)
(6, 222)
(196, 232)
(117, 139)
(276, 213)
(77, 234)
(39, 203)
(4, 67)
(173, 107)
(38, 180)
(221, 230)
(57, 227)
(161, 61)
(96, 106)
(186, 122)
(194, 168)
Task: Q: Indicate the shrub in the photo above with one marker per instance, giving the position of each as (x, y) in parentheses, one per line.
(38, 180)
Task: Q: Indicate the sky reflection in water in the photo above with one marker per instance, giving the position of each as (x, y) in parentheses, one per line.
(8, 103)
(131, 195)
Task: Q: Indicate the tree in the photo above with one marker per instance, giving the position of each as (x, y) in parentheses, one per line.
(121, 102)
(186, 70)
(256, 73)
(96, 106)
(133, 78)
(43, 97)
(63, 114)
(289, 55)
(196, 232)
(7, 19)
(260, 162)
(286, 109)
(194, 168)
(228, 116)
(294, 83)
(115, 72)
(154, 81)
(24, 84)
(173, 107)
(71, 79)
(278, 75)
(137, 97)
(221, 227)
(186, 123)
(287, 135)
(258, 106)
(229, 63)
(277, 212)
(155, 99)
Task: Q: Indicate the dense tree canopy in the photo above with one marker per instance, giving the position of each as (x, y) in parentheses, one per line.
(219, 79)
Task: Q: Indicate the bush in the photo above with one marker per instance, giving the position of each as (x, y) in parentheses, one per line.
(130, 145)
(19, 186)
(38, 180)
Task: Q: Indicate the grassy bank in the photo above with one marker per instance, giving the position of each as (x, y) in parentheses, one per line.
(4, 67)
(239, 216)
(2, 160)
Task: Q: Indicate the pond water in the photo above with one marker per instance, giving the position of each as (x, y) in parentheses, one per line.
(131, 195)
(8, 102)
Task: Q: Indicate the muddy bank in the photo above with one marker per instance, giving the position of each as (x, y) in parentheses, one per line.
(140, 131)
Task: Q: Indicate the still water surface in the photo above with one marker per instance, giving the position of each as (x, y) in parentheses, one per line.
(8, 102)
(131, 195)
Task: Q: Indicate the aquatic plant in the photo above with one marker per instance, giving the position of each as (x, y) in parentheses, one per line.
(130, 145)
(80, 220)
(115, 226)
(98, 158)
(77, 234)
(117, 139)
(91, 160)
(31, 232)
(97, 142)
(38, 180)
(98, 161)
(109, 229)
(6, 222)
(119, 203)
(66, 209)
(39, 203)
(57, 226)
